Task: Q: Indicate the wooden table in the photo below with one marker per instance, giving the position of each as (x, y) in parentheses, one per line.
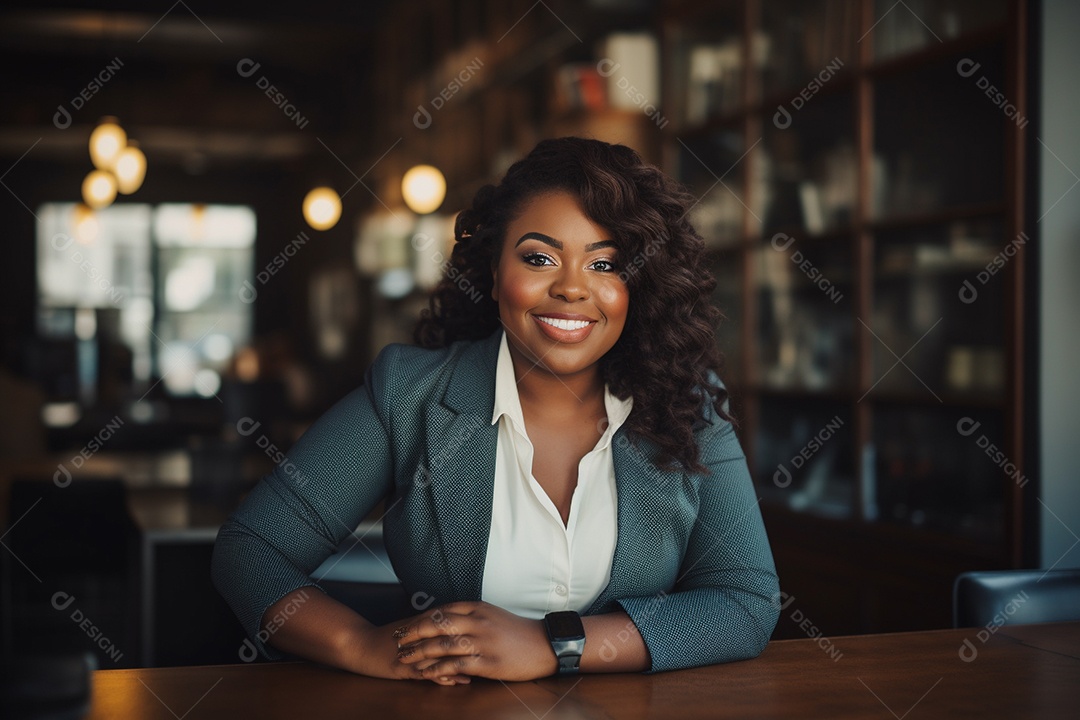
(1022, 671)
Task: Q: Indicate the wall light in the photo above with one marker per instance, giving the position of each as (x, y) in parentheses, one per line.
(99, 189)
(106, 142)
(130, 168)
(322, 208)
(423, 189)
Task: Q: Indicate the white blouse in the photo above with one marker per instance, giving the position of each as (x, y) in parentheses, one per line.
(535, 564)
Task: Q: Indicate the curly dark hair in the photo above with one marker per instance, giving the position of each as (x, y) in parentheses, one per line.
(667, 349)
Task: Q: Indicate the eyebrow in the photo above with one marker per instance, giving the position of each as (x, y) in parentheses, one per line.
(548, 240)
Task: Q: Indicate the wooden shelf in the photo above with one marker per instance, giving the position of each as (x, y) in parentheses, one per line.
(906, 62)
(937, 217)
(828, 556)
(920, 397)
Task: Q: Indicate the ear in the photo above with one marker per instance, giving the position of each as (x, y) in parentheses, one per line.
(495, 280)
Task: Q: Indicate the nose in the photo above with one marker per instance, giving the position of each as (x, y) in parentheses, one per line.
(571, 284)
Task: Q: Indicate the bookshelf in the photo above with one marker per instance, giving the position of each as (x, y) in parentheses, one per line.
(857, 162)
(855, 167)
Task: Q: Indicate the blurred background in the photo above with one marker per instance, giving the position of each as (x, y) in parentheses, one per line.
(218, 213)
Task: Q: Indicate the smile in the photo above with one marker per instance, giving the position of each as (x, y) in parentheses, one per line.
(564, 330)
(564, 324)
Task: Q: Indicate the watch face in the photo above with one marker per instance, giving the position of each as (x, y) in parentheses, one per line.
(564, 625)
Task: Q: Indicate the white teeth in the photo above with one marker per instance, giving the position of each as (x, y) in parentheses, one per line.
(564, 324)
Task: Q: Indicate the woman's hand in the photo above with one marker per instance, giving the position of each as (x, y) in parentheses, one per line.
(462, 639)
(374, 652)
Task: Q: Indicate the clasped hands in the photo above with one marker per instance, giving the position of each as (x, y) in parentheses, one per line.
(453, 643)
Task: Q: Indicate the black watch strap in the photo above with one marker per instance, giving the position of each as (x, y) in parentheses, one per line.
(567, 636)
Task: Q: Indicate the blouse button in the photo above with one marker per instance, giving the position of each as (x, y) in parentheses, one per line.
(560, 589)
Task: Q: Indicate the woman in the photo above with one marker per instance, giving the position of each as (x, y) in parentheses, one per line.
(556, 457)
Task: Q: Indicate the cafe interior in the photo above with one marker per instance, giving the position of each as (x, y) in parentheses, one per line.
(219, 213)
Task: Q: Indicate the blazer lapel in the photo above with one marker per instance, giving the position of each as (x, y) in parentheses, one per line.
(639, 485)
(460, 456)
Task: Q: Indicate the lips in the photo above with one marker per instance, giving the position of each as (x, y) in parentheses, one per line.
(565, 327)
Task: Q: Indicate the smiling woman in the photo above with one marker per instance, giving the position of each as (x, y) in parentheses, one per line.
(564, 486)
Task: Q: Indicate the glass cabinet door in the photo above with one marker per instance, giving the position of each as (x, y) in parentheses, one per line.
(803, 455)
(905, 27)
(709, 164)
(806, 168)
(707, 64)
(804, 315)
(940, 468)
(939, 298)
(926, 162)
(804, 40)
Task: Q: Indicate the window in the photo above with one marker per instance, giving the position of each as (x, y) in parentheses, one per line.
(170, 276)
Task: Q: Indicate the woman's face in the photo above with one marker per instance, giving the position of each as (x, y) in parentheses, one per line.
(557, 284)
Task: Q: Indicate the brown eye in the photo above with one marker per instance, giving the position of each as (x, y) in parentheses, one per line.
(536, 259)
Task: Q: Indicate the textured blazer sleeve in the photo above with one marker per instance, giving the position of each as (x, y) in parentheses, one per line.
(723, 606)
(300, 512)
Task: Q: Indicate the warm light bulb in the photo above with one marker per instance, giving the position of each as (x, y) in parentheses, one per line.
(322, 208)
(423, 188)
(106, 142)
(130, 169)
(87, 228)
(99, 189)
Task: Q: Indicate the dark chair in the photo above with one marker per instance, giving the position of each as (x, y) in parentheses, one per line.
(360, 576)
(1016, 597)
(79, 540)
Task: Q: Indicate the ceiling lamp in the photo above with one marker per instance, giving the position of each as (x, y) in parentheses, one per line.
(106, 142)
(130, 168)
(322, 208)
(99, 189)
(423, 188)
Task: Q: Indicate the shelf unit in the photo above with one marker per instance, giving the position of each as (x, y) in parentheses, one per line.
(853, 175)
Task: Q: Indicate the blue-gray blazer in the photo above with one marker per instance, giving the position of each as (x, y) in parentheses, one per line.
(692, 564)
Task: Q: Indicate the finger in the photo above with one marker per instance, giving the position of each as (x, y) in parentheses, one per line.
(459, 607)
(451, 680)
(437, 647)
(452, 667)
(435, 625)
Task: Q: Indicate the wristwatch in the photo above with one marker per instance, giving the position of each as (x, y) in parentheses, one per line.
(567, 636)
